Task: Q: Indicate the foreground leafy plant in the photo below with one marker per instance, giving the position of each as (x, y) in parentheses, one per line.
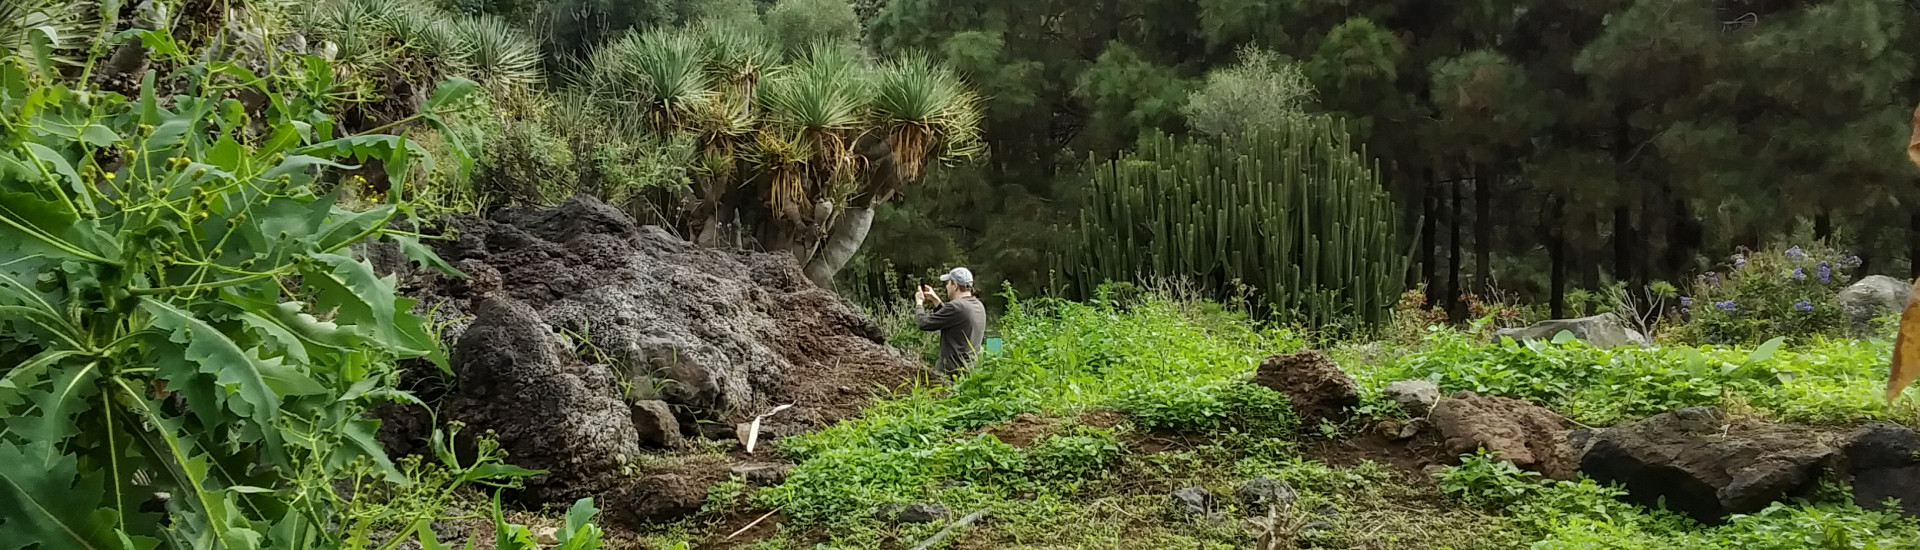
(183, 327)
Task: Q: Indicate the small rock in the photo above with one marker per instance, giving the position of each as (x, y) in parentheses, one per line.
(1260, 493)
(1327, 510)
(1605, 330)
(1193, 500)
(1413, 428)
(1884, 462)
(911, 513)
(549, 536)
(653, 500)
(1414, 396)
(655, 422)
(716, 431)
(1316, 387)
(764, 474)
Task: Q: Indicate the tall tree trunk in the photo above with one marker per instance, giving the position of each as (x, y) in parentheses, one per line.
(1429, 204)
(1483, 231)
(843, 241)
(1456, 309)
(1623, 243)
(1822, 226)
(1555, 231)
(1683, 240)
(1913, 246)
(1624, 240)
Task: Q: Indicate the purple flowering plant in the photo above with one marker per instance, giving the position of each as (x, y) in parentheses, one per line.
(1786, 290)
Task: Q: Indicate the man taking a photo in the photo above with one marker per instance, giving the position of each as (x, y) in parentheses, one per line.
(962, 321)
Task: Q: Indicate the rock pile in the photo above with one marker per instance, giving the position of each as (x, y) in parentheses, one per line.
(580, 337)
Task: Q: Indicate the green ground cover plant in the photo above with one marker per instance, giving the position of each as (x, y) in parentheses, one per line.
(1174, 369)
(1824, 381)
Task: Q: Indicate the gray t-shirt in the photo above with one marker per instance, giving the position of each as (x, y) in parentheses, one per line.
(962, 324)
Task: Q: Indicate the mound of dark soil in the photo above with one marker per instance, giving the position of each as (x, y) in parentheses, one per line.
(1316, 386)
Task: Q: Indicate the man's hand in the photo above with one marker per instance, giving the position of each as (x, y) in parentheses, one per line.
(926, 296)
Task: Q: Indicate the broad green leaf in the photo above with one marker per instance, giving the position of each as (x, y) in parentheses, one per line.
(45, 501)
(1563, 337)
(60, 167)
(289, 381)
(99, 136)
(579, 531)
(1766, 350)
(345, 225)
(52, 418)
(26, 374)
(249, 489)
(283, 341)
(228, 155)
(369, 304)
(428, 541)
(220, 356)
(298, 164)
(449, 91)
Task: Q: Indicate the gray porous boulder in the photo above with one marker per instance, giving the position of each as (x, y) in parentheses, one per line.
(1705, 465)
(1416, 397)
(1606, 330)
(722, 335)
(1872, 297)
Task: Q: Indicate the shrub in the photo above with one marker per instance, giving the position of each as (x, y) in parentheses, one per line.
(182, 315)
(1766, 294)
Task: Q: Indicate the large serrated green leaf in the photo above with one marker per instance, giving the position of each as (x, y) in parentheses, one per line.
(361, 442)
(219, 356)
(25, 375)
(54, 408)
(44, 501)
(426, 257)
(291, 320)
(368, 303)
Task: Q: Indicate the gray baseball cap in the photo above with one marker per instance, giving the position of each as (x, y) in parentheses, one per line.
(959, 276)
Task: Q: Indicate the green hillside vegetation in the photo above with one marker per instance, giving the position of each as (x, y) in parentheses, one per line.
(1160, 197)
(1075, 434)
